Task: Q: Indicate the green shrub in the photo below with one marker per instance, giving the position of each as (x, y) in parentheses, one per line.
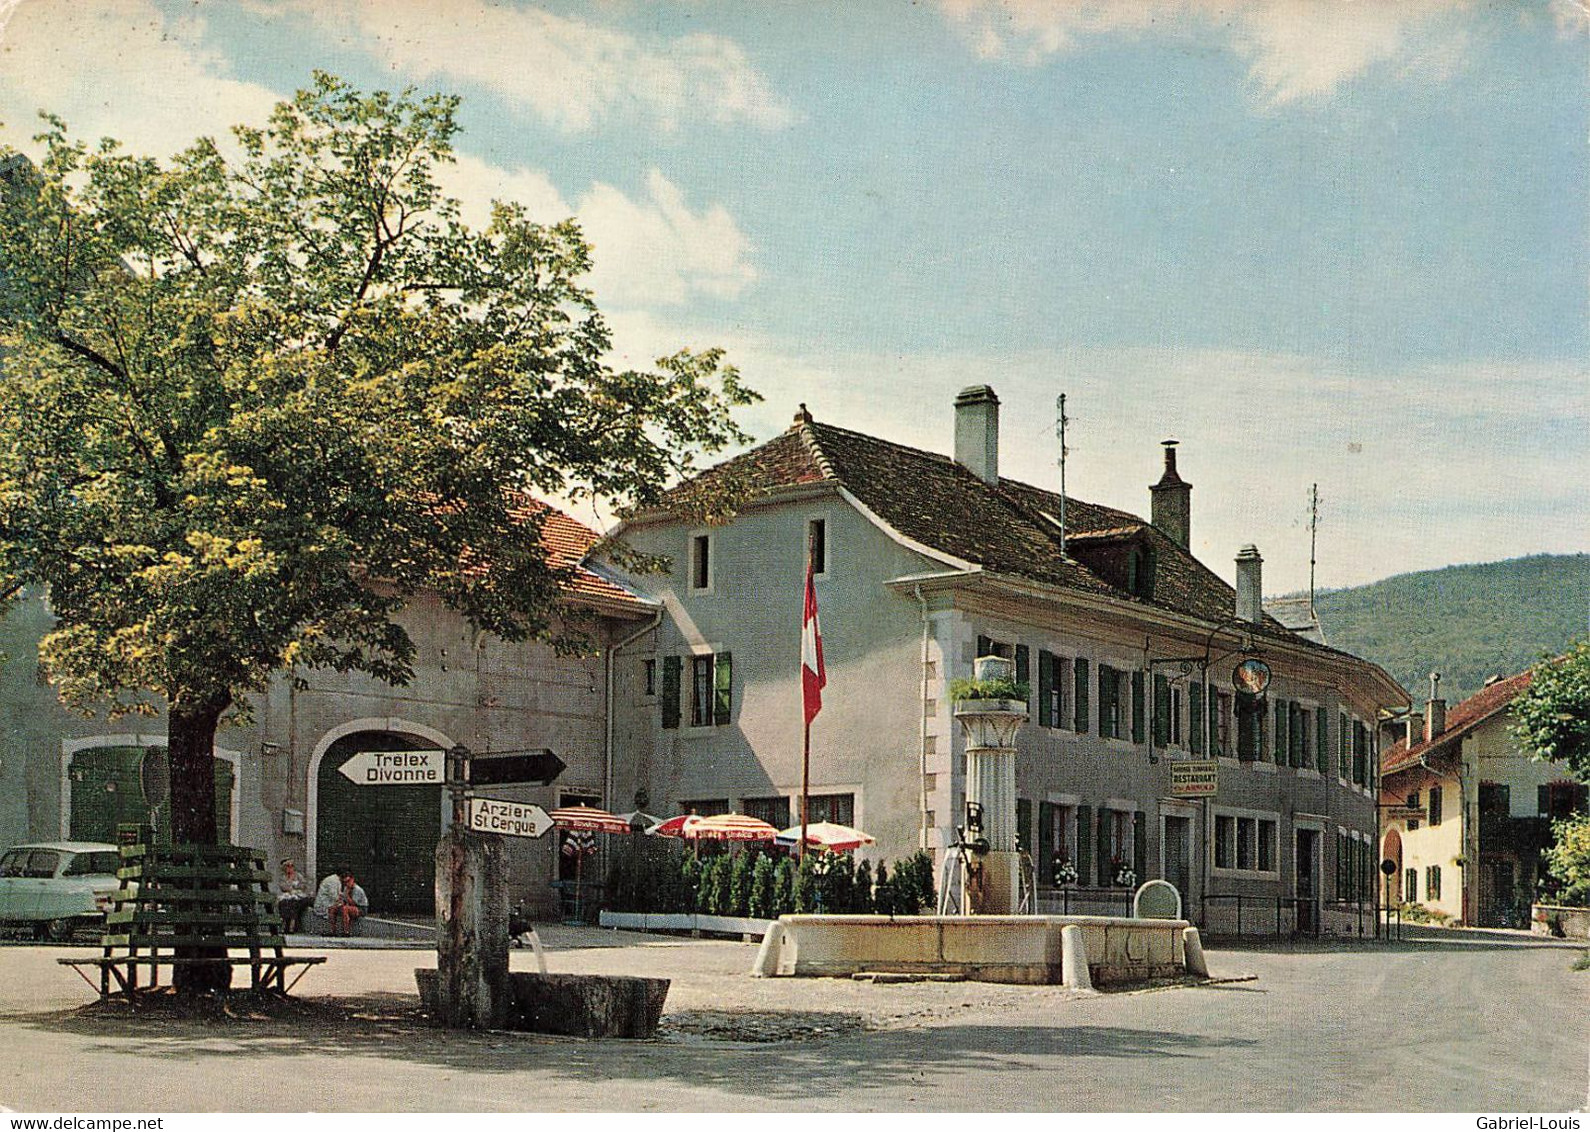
(760, 904)
(783, 901)
(689, 883)
(861, 901)
(806, 880)
(883, 891)
(965, 689)
(739, 896)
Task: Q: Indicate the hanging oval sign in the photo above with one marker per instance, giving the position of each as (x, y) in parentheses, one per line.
(1251, 676)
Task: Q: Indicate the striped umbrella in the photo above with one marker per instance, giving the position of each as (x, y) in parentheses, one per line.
(588, 819)
(827, 835)
(673, 827)
(728, 827)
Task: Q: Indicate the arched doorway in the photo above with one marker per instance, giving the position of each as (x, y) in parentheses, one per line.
(1391, 850)
(385, 834)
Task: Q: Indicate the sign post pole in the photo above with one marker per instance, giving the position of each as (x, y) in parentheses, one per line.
(472, 988)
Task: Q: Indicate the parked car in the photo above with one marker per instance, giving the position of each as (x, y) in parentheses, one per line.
(53, 888)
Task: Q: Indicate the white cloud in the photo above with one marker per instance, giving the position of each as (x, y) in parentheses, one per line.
(571, 72)
(117, 69)
(1417, 469)
(1295, 49)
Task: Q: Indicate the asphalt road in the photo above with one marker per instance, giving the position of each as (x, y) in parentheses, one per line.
(1456, 1021)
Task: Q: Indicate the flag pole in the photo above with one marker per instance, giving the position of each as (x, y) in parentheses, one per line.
(806, 718)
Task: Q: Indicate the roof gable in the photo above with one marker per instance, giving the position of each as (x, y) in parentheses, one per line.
(1460, 720)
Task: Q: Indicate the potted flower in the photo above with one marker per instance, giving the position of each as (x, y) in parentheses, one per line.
(1064, 871)
(1124, 876)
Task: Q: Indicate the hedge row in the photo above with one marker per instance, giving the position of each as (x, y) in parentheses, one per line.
(656, 877)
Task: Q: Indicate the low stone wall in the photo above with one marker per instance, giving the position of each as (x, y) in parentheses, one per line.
(996, 949)
(1560, 921)
(743, 926)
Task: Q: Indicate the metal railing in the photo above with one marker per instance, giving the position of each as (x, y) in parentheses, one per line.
(1069, 900)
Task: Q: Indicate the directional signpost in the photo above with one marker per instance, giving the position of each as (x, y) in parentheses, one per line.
(529, 768)
(516, 819)
(395, 768)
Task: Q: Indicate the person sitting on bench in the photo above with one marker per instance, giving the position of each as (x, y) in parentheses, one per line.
(351, 903)
(292, 896)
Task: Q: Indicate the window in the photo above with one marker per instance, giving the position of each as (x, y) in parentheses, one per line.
(1435, 806)
(1282, 731)
(1342, 764)
(1080, 700)
(669, 701)
(1559, 799)
(1410, 886)
(1220, 725)
(1109, 702)
(1250, 731)
(1225, 839)
(837, 808)
(1266, 846)
(701, 562)
(1494, 799)
(1247, 841)
(817, 545)
(1322, 740)
(1054, 681)
(1196, 731)
(1432, 882)
(1302, 736)
(650, 671)
(1175, 716)
(711, 689)
(775, 811)
(1360, 753)
(1413, 804)
(706, 807)
(987, 646)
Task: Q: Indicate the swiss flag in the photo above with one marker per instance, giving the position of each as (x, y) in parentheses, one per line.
(814, 678)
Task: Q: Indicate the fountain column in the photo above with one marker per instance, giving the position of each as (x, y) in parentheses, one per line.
(992, 879)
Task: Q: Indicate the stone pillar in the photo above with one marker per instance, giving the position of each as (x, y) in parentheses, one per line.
(993, 877)
(472, 930)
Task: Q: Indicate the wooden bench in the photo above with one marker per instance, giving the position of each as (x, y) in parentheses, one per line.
(191, 905)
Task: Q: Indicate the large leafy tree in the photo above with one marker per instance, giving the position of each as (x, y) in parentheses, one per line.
(1552, 716)
(257, 396)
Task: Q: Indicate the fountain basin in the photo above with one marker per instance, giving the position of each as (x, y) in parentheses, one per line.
(994, 949)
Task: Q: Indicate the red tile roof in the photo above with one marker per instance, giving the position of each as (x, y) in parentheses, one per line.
(567, 542)
(1462, 719)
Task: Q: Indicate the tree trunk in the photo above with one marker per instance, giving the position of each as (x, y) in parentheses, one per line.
(190, 741)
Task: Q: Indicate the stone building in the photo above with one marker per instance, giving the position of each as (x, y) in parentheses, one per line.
(1468, 812)
(278, 785)
(924, 562)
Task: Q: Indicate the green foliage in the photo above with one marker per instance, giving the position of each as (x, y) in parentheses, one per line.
(969, 689)
(239, 390)
(1466, 622)
(783, 888)
(883, 891)
(760, 904)
(861, 896)
(1551, 717)
(739, 898)
(1569, 860)
(806, 892)
(690, 882)
(913, 885)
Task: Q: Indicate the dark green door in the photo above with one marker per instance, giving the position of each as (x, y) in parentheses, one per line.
(385, 834)
(116, 785)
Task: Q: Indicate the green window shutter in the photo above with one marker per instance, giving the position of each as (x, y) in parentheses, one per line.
(1024, 670)
(1024, 825)
(1084, 861)
(1045, 868)
(1358, 753)
(1045, 689)
(1195, 718)
(1137, 707)
(1248, 708)
(1322, 750)
(670, 691)
(1278, 730)
(722, 687)
(1161, 711)
(1295, 734)
(1106, 819)
(1140, 845)
(1341, 744)
(1080, 668)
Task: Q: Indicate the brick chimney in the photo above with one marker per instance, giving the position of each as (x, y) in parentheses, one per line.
(1250, 584)
(1415, 733)
(977, 432)
(1171, 501)
(1434, 710)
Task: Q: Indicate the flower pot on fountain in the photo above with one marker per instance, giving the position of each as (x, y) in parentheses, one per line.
(990, 708)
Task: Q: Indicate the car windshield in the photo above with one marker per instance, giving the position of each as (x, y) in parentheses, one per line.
(29, 863)
(13, 863)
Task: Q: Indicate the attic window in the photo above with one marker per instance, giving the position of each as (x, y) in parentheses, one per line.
(1140, 572)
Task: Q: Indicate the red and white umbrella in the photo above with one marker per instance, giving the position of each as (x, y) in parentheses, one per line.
(673, 827)
(588, 819)
(827, 835)
(728, 827)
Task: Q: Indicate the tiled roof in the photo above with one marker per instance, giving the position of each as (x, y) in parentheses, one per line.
(1009, 529)
(567, 542)
(1462, 719)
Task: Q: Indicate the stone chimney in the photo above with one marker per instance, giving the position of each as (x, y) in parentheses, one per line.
(977, 432)
(1434, 710)
(1171, 501)
(1250, 584)
(1415, 728)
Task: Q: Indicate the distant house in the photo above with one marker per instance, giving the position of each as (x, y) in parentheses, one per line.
(924, 562)
(1297, 614)
(279, 787)
(1468, 812)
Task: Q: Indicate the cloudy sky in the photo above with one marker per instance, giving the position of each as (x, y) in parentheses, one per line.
(1318, 242)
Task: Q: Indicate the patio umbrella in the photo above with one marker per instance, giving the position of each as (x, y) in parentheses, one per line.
(827, 835)
(673, 827)
(728, 827)
(640, 821)
(588, 819)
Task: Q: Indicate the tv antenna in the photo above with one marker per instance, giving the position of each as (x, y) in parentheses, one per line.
(1313, 539)
(1061, 420)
